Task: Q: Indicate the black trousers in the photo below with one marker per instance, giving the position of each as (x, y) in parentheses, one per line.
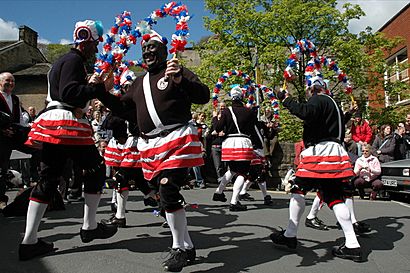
(53, 160)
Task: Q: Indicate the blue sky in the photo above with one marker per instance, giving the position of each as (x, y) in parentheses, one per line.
(54, 19)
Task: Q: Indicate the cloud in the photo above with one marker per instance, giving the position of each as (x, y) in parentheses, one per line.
(65, 42)
(43, 41)
(8, 30)
(378, 12)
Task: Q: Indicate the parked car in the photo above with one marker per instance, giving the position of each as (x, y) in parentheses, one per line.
(395, 177)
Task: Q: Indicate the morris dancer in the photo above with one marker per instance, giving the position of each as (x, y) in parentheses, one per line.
(122, 154)
(168, 144)
(64, 133)
(237, 150)
(257, 171)
(324, 165)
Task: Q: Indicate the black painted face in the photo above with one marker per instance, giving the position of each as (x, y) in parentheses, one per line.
(154, 54)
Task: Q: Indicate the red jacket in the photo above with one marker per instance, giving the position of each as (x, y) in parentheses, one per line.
(362, 132)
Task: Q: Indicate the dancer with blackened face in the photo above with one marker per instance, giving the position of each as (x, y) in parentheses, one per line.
(160, 101)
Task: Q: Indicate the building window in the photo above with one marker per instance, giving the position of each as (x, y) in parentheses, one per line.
(397, 78)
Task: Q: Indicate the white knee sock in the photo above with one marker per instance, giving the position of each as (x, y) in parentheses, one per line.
(114, 196)
(187, 239)
(237, 186)
(178, 225)
(296, 209)
(90, 210)
(35, 212)
(225, 179)
(349, 203)
(343, 217)
(314, 209)
(262, 187)
(246, 186)
(121, 203)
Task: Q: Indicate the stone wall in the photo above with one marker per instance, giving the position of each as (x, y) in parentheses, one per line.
(282, 160)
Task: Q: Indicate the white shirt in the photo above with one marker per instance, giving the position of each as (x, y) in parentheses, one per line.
(8, 99)
(9, 102)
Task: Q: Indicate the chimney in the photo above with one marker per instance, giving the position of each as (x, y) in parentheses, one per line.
(28, 35)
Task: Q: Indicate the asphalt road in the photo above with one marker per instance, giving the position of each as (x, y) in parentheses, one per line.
(225, 241)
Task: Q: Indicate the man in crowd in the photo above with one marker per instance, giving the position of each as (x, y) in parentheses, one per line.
(10, 112)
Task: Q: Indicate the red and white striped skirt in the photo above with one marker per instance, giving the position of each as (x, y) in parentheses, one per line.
(179, 149)
(113, 154)
(259, 157)
(237, 148)
(59, 126)
(326, 159)
(131, 155)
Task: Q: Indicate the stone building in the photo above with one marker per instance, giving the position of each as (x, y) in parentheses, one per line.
(29, 66)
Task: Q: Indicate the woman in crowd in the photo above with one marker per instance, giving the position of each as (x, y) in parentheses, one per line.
(384, 144)
(367, 169)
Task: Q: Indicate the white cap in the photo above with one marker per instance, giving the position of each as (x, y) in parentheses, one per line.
(153, 36)
(236, 92)
(88, 30)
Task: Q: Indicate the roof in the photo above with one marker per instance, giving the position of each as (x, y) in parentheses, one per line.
(35, 70)
(394, 17)
(6, 43)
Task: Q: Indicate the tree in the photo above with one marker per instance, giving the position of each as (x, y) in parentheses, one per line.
(263, 32)
(55, 51)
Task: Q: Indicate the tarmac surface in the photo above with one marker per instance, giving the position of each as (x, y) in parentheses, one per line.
(225, 241)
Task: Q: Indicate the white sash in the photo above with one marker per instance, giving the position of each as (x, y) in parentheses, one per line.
(234, 119)
(150, 102)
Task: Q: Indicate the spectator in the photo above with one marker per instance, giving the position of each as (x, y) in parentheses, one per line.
(367, 169)
(349, 144)
(407, 124)
(10, 109)
(384, 144)
(202, 132)
(32, 112)
(217, 138)
(402, 142)
(96, 125)
(361, 132)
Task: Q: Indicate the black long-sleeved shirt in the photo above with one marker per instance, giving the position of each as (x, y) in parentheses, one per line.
(245, 117)
(68, 81)
(322, 119)
(173, 104)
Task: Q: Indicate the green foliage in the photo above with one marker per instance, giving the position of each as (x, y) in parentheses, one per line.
(250, 33)
(55, 51)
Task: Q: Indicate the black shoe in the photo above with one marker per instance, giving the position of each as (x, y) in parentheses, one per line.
(176, 261)
(27, 252)
(360, 228)
(316, 223)
(191, 255)
(237, 207)
(267, 200)
(113, 207)
(202, 185)
(343, 252)
(278, 238)
(121, 223)
(75, 198)
(165, 225)
(219, 197)
(150, 202)
(246, 197)
(101, 232)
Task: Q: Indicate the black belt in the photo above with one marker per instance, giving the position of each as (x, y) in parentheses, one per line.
(333, 139)
(61, 107)
(163, 133)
